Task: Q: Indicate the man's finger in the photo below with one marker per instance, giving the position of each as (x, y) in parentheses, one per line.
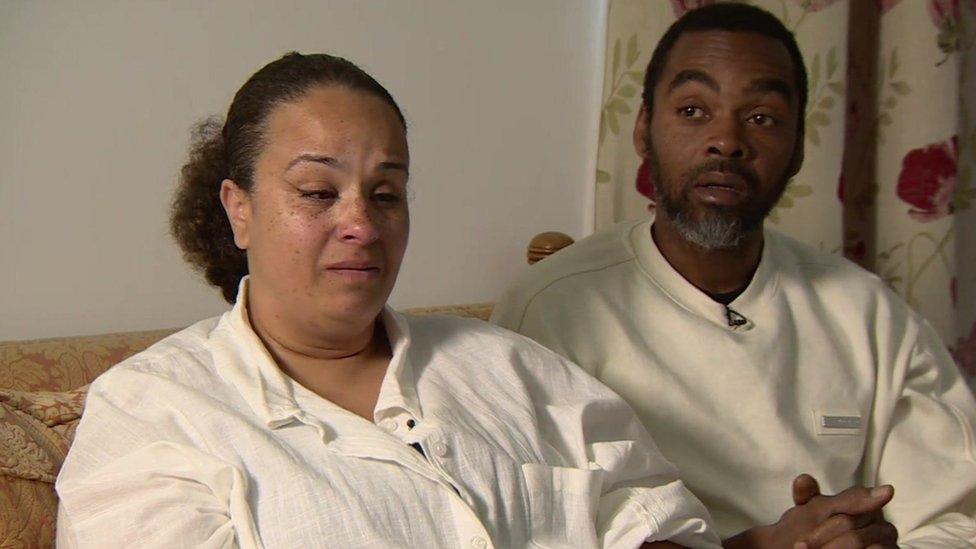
(883, 534)
(857, 500)
(805, 487)
(838, 525)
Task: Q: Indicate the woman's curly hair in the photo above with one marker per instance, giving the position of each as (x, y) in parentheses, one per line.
(230, 149)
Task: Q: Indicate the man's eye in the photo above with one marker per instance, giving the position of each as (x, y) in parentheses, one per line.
(763, 120)
(691, 112)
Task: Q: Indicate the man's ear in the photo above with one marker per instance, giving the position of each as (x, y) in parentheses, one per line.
(797, 161)
(237, 206)
(642, 127)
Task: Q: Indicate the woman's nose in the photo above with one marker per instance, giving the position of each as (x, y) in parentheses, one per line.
(356, 224)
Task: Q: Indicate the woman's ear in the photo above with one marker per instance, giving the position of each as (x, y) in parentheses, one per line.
(237, 206)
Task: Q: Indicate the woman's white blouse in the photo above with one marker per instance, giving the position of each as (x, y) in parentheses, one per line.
(201, 441)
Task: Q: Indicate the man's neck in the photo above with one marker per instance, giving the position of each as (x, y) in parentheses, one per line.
(716, 271)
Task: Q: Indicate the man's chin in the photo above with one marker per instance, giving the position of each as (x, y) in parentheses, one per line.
(711, 225)
(711, 232)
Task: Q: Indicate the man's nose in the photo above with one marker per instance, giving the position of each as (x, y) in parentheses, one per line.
(727, 139)
(356, 224)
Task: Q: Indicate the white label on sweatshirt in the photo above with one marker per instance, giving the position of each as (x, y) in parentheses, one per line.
(831, 423)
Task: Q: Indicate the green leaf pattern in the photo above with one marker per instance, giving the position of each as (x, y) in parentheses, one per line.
(892, 89)
(903, 264)
(626, 80)
(793, 192)
(826, 92)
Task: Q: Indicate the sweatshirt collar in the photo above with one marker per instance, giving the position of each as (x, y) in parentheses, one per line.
(737, 315)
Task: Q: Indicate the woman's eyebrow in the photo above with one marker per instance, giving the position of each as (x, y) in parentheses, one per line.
(317, 158)
(389, 165)
(340, 165)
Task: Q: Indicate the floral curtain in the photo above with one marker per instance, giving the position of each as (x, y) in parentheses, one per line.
(888, 179)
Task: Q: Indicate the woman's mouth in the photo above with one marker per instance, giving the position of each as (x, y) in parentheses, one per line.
(355, 270)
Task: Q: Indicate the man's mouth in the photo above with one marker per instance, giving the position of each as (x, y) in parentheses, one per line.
(723, 180)
(721, 188)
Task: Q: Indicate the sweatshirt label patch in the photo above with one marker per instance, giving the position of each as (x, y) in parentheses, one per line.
(837, 423)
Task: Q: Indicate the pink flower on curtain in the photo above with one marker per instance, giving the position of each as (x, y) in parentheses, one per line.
(928, 180)
(943, 12)
(814, 5)
(643, 182)
(681, 6)
(965, 353)
(945, 15)
(884, 6)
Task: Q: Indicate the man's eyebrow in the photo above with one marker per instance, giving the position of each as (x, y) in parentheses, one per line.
(317, 158)
(693, 75)
(771, 84)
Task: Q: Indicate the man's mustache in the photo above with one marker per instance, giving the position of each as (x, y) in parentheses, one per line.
(725, 165)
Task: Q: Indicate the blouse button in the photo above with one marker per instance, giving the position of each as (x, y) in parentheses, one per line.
(478, 542)
(439, 449)
(388, 425)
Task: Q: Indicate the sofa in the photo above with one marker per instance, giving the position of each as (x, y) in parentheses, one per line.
(42, 392)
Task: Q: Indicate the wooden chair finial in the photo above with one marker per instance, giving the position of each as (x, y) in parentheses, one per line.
(545, 244)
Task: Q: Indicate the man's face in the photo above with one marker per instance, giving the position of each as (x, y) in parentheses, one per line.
(722, 141)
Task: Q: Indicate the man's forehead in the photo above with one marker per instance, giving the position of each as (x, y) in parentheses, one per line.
(750, 54)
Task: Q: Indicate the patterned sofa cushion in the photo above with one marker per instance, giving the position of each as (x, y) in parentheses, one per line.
(42, 390)
(35, 432)
(28, 513)
(66, 363)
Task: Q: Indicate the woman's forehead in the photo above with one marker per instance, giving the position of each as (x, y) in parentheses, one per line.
(336, 120)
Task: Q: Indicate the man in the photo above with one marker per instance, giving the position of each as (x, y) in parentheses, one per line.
(750, 357)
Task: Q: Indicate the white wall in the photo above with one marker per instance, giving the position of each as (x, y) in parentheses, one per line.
(96, 99)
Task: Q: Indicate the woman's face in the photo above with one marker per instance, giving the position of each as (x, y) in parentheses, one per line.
(325, 225)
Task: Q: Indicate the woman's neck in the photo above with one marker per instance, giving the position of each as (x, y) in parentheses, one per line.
(346, 367)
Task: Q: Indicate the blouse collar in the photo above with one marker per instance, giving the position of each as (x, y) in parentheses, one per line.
(243, 361)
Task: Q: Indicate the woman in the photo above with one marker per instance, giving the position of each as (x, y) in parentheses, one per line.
(310, 415)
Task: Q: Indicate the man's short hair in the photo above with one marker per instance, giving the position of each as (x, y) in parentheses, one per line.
(733, 17)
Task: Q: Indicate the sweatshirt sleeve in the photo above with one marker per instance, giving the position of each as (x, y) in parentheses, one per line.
(132, 479)
(928, 454)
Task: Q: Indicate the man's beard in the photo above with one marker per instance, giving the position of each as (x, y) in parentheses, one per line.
(707, 226)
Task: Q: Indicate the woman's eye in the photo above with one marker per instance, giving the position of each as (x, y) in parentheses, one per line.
(762, 120)
(387, 197)
(320, 195)
(691, 112)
